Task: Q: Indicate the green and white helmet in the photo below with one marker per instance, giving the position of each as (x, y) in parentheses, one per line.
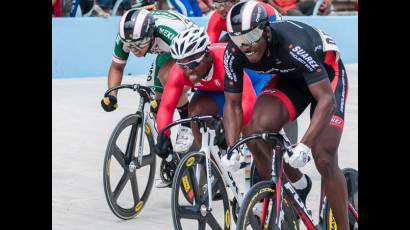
(137, 27)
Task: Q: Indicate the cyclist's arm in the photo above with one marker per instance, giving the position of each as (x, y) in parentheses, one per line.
(119, 60)
(238, 110)
(170, 96)
(115, 76)
(233, 86)
(323, 94)
(317, 80)
(233, 116)
(214, 30)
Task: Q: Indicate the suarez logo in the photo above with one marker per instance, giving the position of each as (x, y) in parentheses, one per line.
(303, 57)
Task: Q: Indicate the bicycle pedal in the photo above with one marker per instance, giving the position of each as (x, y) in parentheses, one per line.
(217, 197)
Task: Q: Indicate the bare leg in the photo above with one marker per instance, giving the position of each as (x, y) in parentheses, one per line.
(201, 104)
(269, 114)
(324, 152)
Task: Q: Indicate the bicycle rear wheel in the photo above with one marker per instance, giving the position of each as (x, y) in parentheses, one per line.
(251, 213)
(351, 176)
(125, 194)
(191, 212)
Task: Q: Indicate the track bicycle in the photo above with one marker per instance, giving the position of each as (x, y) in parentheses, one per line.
(204, 179)
(130, 150)
(275, 204)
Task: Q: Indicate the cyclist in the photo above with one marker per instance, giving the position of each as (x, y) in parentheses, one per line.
(199, 65)
(143, 32)
(189, 8)
(311, 73)
(217, 24)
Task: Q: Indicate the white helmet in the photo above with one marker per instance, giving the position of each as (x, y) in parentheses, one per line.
(189, 42)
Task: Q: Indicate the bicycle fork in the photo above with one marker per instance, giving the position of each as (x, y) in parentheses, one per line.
(208, 137)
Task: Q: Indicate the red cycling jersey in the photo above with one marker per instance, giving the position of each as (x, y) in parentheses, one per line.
(213, 82)
(217, 24)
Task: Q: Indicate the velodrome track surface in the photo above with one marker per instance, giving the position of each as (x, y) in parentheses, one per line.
(81, 130)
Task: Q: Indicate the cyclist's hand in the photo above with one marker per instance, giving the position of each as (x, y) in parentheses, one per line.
(109, 103)
(300, 156)
(163, 148)
(233, 163)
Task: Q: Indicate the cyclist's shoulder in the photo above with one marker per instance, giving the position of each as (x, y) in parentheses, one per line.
(171, 19)
(216, 18)
(233, 53)
(289, 32)
(288, 27)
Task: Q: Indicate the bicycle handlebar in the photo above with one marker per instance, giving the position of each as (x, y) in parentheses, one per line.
(277, 137)
(196, 118)
(134, 87)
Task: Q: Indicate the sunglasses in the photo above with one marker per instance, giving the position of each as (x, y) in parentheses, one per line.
(222, 4)
(139, 44)
(250, 38)
(191, 64)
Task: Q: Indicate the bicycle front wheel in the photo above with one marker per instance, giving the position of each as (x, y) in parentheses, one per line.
(192, 211)
(351, 176)
(125, 194)
(258, 210)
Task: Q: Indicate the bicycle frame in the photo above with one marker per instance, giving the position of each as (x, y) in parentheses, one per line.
(284, 187)
(208, 147)
(148, 122)
(292, 196)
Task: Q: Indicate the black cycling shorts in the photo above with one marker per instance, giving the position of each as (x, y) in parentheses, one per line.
(296, 95)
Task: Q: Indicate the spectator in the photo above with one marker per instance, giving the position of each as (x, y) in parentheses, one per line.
(146, 4)
(81, 7)
(56, 10)
(124, 6)
(102, 8)
(206, 6)
(300, 7)
(188, 8)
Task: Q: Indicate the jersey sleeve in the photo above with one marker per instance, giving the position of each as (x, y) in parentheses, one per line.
(233, 81)
(165, 33)
(120, 54)
(169, 99)
(214, 29)
(307, 62)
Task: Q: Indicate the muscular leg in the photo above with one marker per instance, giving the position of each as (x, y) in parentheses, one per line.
(324, 152)
(201, 104)
(269, 114)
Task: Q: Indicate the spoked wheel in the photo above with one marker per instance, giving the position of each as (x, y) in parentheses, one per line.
(351, 176)
(192, 212)
(258, 209)
(167, 171)
(254, 178)
(128, 184)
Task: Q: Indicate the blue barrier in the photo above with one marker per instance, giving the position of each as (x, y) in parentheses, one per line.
(82, 47)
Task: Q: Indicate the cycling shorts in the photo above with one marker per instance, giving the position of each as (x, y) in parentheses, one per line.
(296, 96)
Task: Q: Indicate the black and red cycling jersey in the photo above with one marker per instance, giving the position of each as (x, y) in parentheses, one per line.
(301, 55)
